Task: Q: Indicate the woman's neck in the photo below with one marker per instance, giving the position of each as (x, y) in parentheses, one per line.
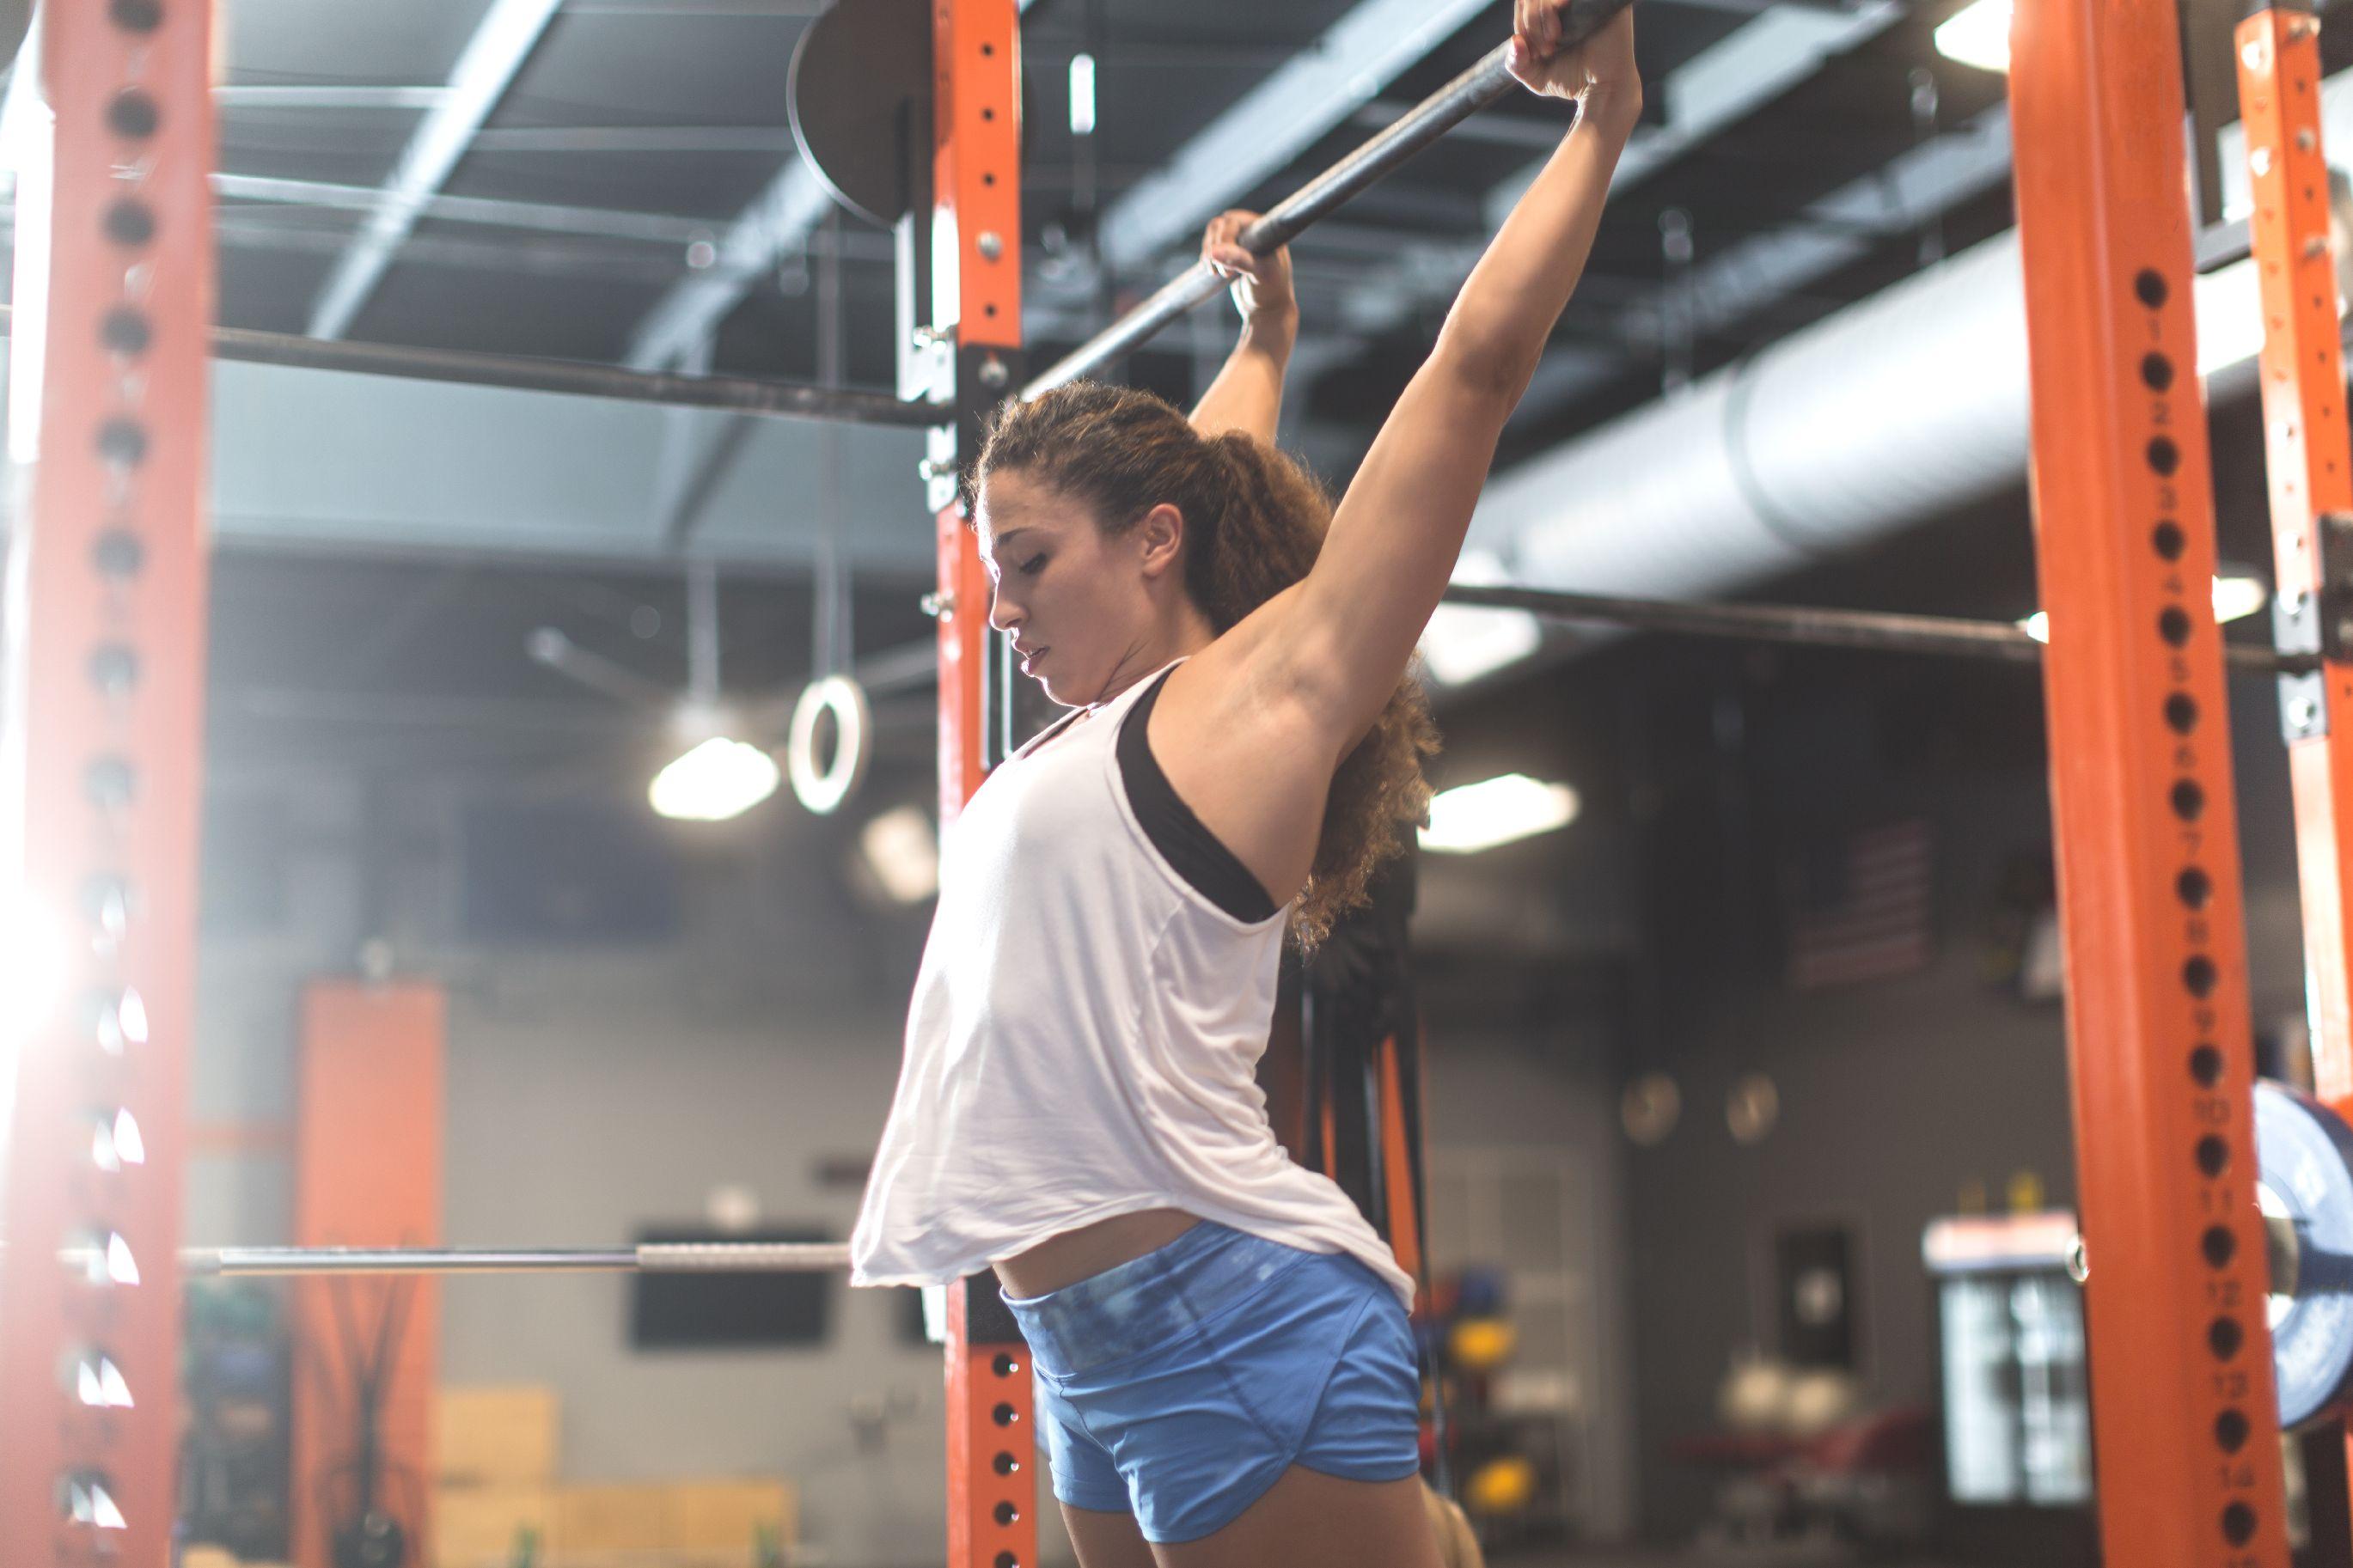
(1149, 657)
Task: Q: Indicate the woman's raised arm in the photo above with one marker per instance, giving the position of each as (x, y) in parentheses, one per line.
(1345, 633)
(1246, 394)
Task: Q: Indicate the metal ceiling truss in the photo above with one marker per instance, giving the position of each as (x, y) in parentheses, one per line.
(504, 40)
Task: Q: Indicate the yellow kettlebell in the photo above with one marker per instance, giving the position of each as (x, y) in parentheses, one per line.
(1482, 1344)
(1501, 1485)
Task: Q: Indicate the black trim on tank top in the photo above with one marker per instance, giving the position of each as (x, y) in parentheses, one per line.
(1209, 867)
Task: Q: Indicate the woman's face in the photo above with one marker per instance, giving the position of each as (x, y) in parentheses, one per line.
(1073, 599)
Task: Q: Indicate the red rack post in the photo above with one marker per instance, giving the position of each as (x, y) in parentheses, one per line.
(105, 684)
(2310, 466)
(2185, 1414)
(976, 250)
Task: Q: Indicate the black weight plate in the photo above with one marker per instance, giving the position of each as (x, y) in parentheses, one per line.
(858, 67)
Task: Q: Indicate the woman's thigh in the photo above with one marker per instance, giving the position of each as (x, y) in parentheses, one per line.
(1310, 1520)
(1106, 1540)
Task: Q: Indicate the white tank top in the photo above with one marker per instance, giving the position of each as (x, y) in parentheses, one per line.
(1084, 1040)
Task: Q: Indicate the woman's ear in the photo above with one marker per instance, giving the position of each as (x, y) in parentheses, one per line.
(1161, 537)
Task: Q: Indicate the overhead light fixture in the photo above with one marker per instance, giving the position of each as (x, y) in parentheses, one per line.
(1977, 36)
(1082, 95)
(902, 851)
(719, 779)
(2238, 593)
(1465, 642)
(1472, 817)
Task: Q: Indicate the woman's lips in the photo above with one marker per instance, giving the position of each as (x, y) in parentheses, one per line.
(1029, 660)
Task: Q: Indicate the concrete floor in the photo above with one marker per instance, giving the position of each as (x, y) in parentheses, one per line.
(1683, 1557)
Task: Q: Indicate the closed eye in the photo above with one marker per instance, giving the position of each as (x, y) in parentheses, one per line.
(1029, 568)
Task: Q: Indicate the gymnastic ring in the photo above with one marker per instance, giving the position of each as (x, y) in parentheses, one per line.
(823, 789)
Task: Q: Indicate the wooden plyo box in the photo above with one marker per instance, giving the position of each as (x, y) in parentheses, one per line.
(592, 1521)
(496, 1436)
(482, 1527)
(724, 1521)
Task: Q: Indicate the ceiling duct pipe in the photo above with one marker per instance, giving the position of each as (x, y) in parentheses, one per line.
(1896, 408)
(1892, 411)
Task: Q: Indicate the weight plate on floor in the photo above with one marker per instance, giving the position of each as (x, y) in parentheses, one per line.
(2304, 1153)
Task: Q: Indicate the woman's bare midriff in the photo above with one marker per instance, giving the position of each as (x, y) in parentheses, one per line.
(1084, 1253)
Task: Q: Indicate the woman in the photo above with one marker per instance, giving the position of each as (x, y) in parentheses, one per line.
(1225, 1375)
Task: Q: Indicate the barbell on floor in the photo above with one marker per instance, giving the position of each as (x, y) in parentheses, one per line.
(651, 1258)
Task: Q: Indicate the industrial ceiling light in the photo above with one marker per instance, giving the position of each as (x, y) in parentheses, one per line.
(717, 779)
(1082, 95)
(1472, 817)
(2239, 592)
(1978, 35)
(902, 851)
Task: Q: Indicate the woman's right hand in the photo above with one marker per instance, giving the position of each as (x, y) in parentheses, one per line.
(1598, 74)
(1261, 284)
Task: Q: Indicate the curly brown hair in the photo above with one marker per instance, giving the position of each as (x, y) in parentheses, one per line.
(1255, 519)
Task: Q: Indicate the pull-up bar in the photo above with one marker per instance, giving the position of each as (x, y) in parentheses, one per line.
(1814, 626)
(1432, 118)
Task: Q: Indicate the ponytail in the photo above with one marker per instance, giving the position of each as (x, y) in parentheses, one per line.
(1254, 520)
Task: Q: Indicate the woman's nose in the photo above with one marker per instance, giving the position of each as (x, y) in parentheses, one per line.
(1002, 615)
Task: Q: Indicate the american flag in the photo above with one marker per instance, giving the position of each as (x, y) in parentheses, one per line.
(1859, 909)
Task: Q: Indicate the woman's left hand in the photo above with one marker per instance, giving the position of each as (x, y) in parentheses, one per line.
(1261, 284)
(1597, 75)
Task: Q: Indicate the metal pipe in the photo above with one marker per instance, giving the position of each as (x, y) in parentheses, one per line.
(1468, 93)
(653, 1257)
(741, 395)
(1813, 627)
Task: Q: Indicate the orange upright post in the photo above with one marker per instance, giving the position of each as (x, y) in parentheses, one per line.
(105, 656)
(2185, 1414)
(975, 245)
(367, 1172)
(2310, 465)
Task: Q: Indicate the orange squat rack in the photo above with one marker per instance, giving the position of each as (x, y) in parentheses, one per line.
(105, 682)
(105, 685)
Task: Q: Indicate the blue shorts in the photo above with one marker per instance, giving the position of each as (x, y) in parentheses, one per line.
(1180, 1386)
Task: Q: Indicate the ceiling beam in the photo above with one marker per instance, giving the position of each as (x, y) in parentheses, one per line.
(507, 34)
(1714, 90)
(665, 230)
(777, 222)
(1736, 286)
(680, 139)
(325, 95)
(1349, 66)
(1724, 84)
(603, 223)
